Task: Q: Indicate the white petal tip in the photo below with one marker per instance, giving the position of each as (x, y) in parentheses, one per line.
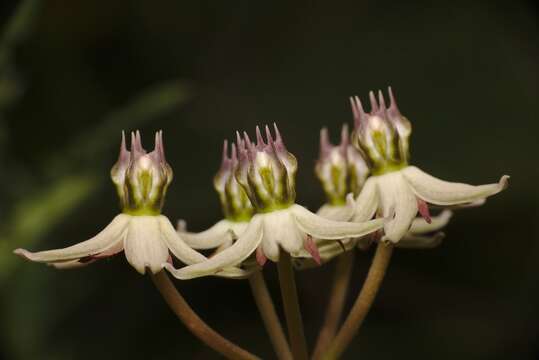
(446, 215)
(25, 254)
(504, 182)
(177, 273)
(350, 201)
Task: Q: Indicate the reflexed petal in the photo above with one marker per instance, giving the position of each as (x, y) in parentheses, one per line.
(229, 273)
(176, 245)
(143, 245)
(339, 213)
(396, 197)
(440, 192)
(211, 238)
(270, 247)
(73, 264)
(367, 201)
(321, 228)
(411, 241)
(232, 256)
(281, 229)
(107, 238)
(420, 226)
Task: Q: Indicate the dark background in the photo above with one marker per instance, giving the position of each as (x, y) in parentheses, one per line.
(465, 74)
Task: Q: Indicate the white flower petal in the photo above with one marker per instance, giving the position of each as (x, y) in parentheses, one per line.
(270, 248)
(144, 246)
(398, 200)
(367, 201)
(213, 237)
(411, 241)
(71, 264)
(176, 245)
(339, 212)
(281, 229)
(439, 192)
(107, 238)
(321, 228)
(232, 256)
(110, 251)
(420, 226)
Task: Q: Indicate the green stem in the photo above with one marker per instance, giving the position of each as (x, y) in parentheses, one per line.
(291, 307)
(269, 316)
(194, 323)
(336, 303)
(363, 302)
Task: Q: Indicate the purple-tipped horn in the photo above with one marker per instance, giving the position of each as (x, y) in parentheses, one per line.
(325, 144)
(374, 104)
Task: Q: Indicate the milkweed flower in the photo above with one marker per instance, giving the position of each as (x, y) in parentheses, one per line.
(236, 206)
(342, 172)
(141, 180)
(396, 189)
(267, 173)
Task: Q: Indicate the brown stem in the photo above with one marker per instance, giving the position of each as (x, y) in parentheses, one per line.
(363, 302)
(343, 271)
(291, 307)
(194, 323)
(269, 316)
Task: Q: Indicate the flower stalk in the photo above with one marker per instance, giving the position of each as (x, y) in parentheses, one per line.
(194, 323)
(269, 316)
(343, 272)
(363, 302)
(292, 311)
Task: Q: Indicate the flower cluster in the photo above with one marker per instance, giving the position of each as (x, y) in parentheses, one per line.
(266, 172)
(372, 193)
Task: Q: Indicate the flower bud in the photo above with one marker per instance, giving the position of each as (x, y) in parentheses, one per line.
(266, 171)
(340, 168)
(381, 135)
(141, 179)
(234, 201)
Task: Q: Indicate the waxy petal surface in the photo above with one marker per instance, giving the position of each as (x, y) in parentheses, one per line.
(109, 237)
(439, 192)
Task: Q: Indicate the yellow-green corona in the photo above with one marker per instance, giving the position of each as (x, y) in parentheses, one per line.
(267, 171)
(234, 201)
(141, 178)
(382, 135)
(340, 168)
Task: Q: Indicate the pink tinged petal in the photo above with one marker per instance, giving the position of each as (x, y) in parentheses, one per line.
(321, 228)
(438, 222)
(211, 238)
(423, 208)
(110, 236)
(439, 192)
(144, 247)
(312, 249)
(230, 257)
(367, 201)
(398, 203)
(71, 264)
(261, 259)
